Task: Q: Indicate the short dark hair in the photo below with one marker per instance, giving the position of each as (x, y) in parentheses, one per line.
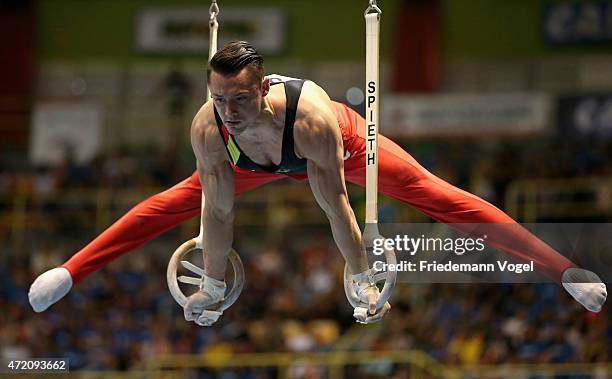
(235, 56)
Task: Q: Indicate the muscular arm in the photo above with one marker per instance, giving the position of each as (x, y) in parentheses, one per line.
(320, 141)
(217, 179)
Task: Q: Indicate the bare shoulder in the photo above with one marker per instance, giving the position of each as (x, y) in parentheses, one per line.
(207, 143)
(314, 101)
(316, 127)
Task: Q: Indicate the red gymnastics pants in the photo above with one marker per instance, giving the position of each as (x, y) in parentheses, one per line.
(400, 176)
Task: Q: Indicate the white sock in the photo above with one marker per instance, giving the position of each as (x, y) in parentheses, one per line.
(49, 287)
(586, 287)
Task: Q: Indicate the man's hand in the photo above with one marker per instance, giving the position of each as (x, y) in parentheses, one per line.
(195, 309)
(211, 292)
(367, 314)
(368, 297)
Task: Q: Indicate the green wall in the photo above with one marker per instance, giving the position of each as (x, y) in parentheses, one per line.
(501, 29)
(104, 29)
(317, 30)
(491, 28)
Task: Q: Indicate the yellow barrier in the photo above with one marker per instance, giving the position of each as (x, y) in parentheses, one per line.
(292, 203)
(416, 365)
(532, 199)
(420, 364)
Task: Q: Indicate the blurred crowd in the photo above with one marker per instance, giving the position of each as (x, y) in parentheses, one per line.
(144, 167)
(123, 317)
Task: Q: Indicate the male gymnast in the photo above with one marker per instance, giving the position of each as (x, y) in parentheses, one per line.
(257, 129)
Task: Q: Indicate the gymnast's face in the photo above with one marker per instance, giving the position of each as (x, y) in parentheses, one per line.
(238, 98)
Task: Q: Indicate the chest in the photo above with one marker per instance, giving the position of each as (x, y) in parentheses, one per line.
(264, 149)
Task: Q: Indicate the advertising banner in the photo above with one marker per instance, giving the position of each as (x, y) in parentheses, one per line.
(465, 114)
(577, 22)
(185, 30)
(585, 115)
(58, 126)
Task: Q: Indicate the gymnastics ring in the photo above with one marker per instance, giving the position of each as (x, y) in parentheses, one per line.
(389, 277)
(173, 281)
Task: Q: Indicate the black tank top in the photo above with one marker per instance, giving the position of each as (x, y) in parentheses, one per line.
(290, 163)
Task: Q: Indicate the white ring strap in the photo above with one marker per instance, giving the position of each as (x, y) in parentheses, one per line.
(212, 49)
(372, 79)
